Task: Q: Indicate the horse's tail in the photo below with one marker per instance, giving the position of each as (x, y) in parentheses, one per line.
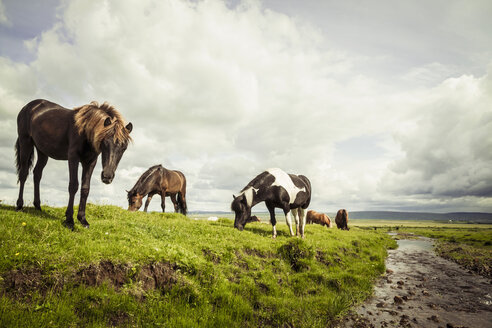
(18, 160)
(181, 204)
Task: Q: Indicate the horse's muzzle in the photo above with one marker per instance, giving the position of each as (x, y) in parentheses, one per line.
(107, 179)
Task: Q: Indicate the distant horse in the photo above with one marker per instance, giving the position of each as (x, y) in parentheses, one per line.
(318, 218)
(278, 190)
(77, 135)
(253, 218)
(161, 181)
(342, 219)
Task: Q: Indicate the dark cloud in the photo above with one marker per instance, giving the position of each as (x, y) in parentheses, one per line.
(447, 152)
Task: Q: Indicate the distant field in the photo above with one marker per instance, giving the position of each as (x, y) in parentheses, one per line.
(460, 217)
(416, 223)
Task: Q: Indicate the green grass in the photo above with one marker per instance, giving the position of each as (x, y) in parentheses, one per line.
(154, 269)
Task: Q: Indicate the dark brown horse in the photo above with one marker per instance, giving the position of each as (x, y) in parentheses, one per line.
(77, 135)
(342, 219)
(161, 181)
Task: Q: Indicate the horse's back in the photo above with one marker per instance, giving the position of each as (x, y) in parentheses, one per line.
(36, 108)
(48, 125)
(173, 180)
(37, 105)
(280, 188)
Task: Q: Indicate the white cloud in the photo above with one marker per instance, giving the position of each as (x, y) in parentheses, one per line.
(222, 94)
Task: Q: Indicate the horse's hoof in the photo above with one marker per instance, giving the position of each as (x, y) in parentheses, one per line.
(68, 224)
(84, 223)
(274, 237)
(18, 209)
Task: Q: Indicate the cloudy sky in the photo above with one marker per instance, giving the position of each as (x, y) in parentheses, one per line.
(383, 105)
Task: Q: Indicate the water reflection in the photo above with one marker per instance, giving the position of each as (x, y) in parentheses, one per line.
(421, 244)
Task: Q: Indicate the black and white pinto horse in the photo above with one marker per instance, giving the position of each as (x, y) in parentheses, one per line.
(290, 192)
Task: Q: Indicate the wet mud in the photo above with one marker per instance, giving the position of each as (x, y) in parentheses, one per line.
(421, 289)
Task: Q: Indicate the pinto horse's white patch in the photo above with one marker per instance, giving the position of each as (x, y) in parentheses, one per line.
(248, 193)
(283, 180)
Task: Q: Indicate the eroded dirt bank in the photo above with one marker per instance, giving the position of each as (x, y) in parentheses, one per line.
(421, 289)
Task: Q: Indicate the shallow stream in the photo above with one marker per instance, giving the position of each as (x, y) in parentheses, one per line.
(421, 289)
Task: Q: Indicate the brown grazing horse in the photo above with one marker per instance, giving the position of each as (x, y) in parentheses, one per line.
(318, 218)
(161, 181)
(342, 219)
(77, 135)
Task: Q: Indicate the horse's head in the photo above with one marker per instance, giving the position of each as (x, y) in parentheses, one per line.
(112, 149)
(134, 201)
(328, 221)
(243, 211)
(105, 130)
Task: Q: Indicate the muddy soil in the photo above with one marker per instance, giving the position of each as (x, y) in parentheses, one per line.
(421, 289)
(21, 283)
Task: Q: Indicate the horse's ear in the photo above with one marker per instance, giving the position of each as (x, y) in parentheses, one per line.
(233, 197)
(107, 121)
(129, 127)
(127, 191)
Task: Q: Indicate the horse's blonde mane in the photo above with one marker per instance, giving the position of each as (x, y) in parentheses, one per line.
(89, 120)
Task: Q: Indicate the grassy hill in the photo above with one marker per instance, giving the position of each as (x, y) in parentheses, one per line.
(139, 269)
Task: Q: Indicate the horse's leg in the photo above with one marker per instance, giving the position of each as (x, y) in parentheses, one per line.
(175, 203)
(25, 152)
(296, 219)
(87, 169)
(184, 207)
(147, 202)
(38, 173)
(302, 218)
(288, 220)
(163, 200)
(273, 220)
(73, 185)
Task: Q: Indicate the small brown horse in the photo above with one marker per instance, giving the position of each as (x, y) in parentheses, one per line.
(318, 218)
(77, 135)
(342, 219)
(161, 181)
